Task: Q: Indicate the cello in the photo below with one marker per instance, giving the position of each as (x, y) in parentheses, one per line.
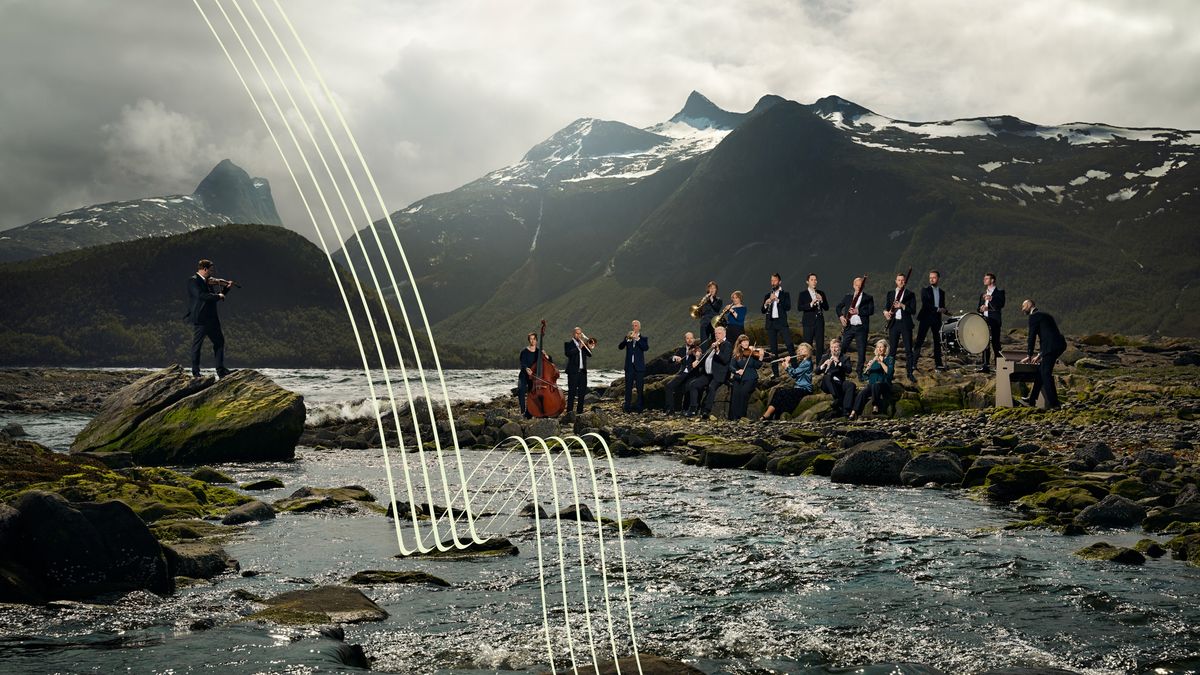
(545, 399)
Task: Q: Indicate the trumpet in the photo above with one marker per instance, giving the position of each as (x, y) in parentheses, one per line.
(629, 335)
(695, 309)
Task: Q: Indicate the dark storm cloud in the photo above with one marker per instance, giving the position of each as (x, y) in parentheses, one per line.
(112, 100)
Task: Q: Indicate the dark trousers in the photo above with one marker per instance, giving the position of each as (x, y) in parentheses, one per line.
(739, 397)
(842, 391)
(901, 330)
(634, 378)
(1045, 382)
(576, 389)
(934, 326)
(814, 332)
(856, 334)
(994, 331)
(213, 331)
(774, 331)
(522, 391)
(877, 392)
(709, 386)
(707, 332)
(676, 386)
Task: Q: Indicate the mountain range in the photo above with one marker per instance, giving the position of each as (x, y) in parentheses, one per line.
(226, 195)
(604, 222)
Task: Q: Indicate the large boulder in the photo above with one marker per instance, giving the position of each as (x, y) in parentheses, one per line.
(198, 559)
(932, 467)
(249, 512)
(729, 455)
(320, 605)
(877, 462)
(1112, 511)
(51, 549)
(168, 417)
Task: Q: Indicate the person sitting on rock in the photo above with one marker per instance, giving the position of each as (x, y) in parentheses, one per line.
(835, 370)
(879, 373)
(800, 369)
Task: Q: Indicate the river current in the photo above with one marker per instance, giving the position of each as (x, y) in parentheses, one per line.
(746, 573)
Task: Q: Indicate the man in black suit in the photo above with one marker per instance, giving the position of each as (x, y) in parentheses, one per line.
(712, 369)
(635, 345)
(933, 307)
(683, 356)
(202, 310)
(710, 307)
(834, 370)
(814, 304)
(991, 304)
(901, 305)
(776, 304)
(578, 352)
(856, 321)
(1044, 329)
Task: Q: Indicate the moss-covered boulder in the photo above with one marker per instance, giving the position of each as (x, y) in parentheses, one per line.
(207, 474)
(1060, 500)
(1150, 548)
(1185, 547)
(52, 549)
(198, 559)
(183, 530)
(1008, 482)
(1176, 518)
(729, 455)
(1109, 553)
(320, 605)
(271, 483)
(632, 527)
(168, 417)
(1112, 511)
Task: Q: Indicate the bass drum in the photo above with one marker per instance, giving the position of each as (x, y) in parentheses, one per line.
(966, 333)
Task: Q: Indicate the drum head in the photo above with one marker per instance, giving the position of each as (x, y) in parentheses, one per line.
(973, 334)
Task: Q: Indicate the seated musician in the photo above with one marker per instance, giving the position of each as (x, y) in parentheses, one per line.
(683, 356)
(529, 357)
(745, 365)
(712, 370)
(800, 369)
(735, 319)
(879, 372)
(835, 370)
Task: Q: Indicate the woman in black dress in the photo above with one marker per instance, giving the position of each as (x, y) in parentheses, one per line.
(529, 357)
(744, 376)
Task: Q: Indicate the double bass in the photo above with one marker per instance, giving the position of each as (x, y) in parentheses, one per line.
(545, 399)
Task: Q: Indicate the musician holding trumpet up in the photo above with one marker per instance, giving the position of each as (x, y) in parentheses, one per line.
(579, 350)
(635, 346)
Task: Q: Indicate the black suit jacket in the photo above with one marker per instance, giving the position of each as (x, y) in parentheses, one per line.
(785, 306)
(638, 350)
(994, 306)
(685, 360)
(909, 301)
(202, 303)
(866, 307)
(838, 370)
(712, 308)
(929, 310)
(1043, 328)
(721, 359)
(804, 303)
(573, 356)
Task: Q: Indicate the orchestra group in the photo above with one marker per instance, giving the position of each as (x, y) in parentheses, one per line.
(723, 356)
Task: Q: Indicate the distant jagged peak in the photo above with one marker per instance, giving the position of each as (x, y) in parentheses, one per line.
(592, 137)
(230, 191)
(699, 112)
(827, 106)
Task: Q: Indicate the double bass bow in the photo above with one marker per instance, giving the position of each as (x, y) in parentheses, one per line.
(545, 398)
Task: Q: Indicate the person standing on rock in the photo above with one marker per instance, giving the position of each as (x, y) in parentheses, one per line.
(710, 307)
(1043, 329)
(880, 371)
(578, 350)
(202, 310)
(813, 303)
(933, 308)
(856, 310)
(776, 304)
(529, 359)
(901, 305)
(991, 304)
(635, 345)
(735, 321)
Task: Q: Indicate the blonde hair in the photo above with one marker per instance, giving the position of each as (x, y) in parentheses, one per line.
(806, 347)
(884, 344)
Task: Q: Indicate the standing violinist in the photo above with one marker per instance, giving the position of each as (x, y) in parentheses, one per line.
(204, 292)
(579, 350)
(710, 307)
(529, 358)
(635, 346)
(776, 304)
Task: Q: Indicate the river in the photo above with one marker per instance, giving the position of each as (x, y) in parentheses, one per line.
(746, 573)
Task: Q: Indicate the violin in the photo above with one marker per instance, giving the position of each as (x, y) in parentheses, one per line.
(226, 284)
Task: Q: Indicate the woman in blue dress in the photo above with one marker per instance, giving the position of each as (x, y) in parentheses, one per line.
(800, 369)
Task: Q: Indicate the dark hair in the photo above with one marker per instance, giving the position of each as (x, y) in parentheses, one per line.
(936, 272)
(777, 275)
(204, 264)
(990, 274)
(711, 283)
(810, 275)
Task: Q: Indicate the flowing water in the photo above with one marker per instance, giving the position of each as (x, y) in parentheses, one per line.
(746, 573)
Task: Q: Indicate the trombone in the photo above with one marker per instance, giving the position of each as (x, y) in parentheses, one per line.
(589, 341)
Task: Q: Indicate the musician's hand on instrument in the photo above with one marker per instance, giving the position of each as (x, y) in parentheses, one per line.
(1037, 359)
(220, 296)
(1025, 360)
(740, 371)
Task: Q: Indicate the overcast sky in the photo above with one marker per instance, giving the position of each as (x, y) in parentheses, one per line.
(104, 100)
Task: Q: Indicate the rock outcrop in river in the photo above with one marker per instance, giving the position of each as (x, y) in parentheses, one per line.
(169, 417)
